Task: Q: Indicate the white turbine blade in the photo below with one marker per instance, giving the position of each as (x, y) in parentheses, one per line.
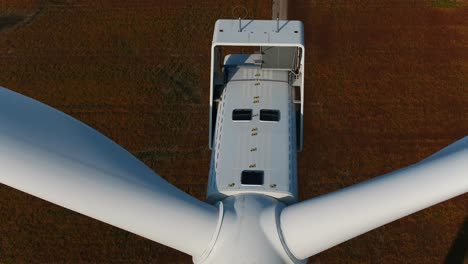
(317, 224)
(50, 155)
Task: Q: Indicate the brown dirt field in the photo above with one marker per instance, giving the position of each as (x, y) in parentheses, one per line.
(386, 85)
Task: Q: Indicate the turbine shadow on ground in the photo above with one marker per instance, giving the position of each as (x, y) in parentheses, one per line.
(459, 250)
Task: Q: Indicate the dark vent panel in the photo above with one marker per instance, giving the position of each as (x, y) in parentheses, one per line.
(269, 115)
(252, 177)
(242, 114)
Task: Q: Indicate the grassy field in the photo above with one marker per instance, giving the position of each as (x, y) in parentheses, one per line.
(386, 85)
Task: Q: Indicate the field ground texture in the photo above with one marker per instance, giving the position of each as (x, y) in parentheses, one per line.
(386, 85)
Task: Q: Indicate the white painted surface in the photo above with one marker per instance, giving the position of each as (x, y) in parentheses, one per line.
(249, 233)
(50, 155)
(257, 33)
(317, 224)
(273, 142)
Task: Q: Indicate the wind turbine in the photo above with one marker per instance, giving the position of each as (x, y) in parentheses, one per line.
(252, 214)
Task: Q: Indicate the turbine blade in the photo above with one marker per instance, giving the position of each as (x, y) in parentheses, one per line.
(315, 225)
(50, 155)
